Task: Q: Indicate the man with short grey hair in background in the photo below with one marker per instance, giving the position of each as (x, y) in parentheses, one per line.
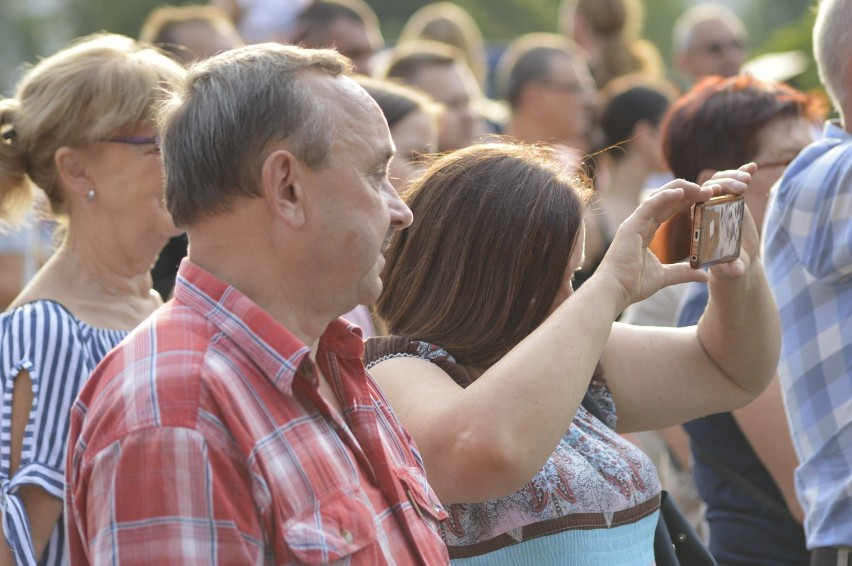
(237, 425)
(709, 39)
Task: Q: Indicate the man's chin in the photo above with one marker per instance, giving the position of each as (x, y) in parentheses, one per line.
(368, 297)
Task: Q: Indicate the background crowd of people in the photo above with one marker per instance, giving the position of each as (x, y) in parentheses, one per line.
(275, 290)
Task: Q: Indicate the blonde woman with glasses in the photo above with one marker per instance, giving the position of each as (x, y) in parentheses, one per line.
(80, 129)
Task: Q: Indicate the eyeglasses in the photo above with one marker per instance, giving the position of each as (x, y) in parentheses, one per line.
(570, 88)
(135, 140)
(718, 47)
(763, 165)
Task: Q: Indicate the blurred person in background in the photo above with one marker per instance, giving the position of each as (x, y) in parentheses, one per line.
(449, 23)
(190, 32)
(441, 71)
(546, 82)
(80, 128)
(349, 26)
(551, 95)
(708, 39)
(259, 21)
(743, 461)
(609, 32)
(632, 107)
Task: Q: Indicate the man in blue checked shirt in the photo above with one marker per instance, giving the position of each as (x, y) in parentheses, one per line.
(808, 257)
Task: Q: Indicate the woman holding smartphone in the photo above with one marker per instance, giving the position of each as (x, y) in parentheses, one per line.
(493, 353)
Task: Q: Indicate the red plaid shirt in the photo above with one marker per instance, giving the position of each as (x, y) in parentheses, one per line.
(203, 439)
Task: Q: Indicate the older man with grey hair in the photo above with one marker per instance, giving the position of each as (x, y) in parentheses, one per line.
(709, 39)
(237, 425)
(808, 251)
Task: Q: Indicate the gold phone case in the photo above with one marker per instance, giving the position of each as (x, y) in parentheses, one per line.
(716, 230)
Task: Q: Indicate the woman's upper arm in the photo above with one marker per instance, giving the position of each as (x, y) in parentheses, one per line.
(660, 377)
(42, 508)
(37, 342)
(420, 394)
(425, 399)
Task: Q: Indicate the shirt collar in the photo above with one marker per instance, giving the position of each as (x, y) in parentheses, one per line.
(833, 129)
(277, 351)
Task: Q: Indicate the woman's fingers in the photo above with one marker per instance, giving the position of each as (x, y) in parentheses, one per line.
(665, 203)
(682, 273)
(731, 181)
(747, 169)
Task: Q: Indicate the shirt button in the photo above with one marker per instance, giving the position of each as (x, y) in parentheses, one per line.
(347, 536)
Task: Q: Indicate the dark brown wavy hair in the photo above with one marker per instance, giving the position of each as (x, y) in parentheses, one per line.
(479, 269)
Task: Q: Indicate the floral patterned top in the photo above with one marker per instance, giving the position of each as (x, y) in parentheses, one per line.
(594, 481)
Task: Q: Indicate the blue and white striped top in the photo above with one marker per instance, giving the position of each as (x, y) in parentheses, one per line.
(59, 352)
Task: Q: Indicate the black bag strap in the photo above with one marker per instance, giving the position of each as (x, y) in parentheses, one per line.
(673, 528)
(743, 483)
(592, 406)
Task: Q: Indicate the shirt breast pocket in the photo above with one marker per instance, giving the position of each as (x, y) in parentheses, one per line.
(423, 500)
(337, 526)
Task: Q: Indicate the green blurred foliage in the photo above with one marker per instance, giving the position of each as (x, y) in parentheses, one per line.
(797, 36)
(27, 33)
(500, 20)
(122, 16)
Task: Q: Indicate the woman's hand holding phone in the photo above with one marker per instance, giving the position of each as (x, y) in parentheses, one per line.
(637, 270)
(735, 182)
(628, 261)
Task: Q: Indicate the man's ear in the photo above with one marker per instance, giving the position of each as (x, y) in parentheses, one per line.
(71, 167)
(283, 188)
(705, 175)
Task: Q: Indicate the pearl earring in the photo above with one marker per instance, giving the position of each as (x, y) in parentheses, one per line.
(90, 196)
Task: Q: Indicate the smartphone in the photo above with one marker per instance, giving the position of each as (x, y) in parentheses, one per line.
(717, 228)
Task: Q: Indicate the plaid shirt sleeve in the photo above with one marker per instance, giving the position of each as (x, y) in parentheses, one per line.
(166, 496)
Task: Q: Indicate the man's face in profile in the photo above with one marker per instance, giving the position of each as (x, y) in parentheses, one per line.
(352, 208)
